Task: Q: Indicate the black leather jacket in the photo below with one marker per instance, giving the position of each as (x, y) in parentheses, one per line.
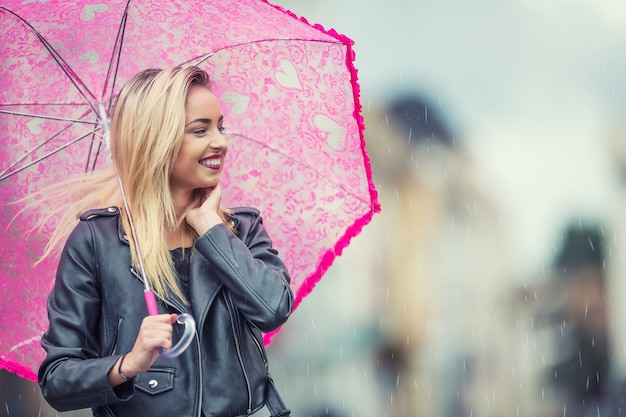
(239, 288)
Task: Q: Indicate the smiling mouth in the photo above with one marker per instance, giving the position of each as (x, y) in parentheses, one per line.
(210, 162)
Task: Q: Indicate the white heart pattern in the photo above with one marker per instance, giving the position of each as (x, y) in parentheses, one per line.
(287, 75)
(89, 11)
(91, 56)
(335, 133)
(238, 103)
(33, 125)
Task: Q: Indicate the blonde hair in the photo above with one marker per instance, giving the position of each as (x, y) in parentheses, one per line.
(146, 133)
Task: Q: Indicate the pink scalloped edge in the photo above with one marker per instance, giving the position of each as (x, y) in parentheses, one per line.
(329, 257)
(18, 369)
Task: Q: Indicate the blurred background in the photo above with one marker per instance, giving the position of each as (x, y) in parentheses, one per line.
(493, 282)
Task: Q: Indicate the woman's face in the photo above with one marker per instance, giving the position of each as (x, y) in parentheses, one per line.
(201, 156)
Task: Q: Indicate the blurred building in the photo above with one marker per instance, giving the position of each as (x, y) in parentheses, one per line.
(419, 292)
(442, 263)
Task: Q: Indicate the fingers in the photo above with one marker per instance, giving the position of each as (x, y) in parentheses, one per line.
(155, 332)
(212, 198)
(205, 216)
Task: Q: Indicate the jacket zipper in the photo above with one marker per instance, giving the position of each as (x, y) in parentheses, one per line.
(181, 309)
(120, 319)
(199, 393)
(257, 343)
(231, 312)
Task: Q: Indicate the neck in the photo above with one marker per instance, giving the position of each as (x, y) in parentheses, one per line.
(180, 238)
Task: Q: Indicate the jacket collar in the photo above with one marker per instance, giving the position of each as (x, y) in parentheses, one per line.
(204, 286)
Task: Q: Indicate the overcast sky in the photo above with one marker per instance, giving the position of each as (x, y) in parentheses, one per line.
(533, 86)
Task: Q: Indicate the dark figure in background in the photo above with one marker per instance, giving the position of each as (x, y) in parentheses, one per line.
(582, 372)
(415, 124)
(417, 120)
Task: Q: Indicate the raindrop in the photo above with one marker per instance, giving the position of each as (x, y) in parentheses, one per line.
(591, 243)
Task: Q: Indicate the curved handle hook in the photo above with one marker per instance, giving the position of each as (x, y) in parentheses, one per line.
(185, 338)
(183, 319)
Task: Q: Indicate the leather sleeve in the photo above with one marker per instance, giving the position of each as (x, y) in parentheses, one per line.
(248, 266)
(72, 375)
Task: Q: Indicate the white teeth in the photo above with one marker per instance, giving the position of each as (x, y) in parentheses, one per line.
(213, 162)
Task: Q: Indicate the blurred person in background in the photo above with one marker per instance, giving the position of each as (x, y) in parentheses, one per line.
(581, 373)
(440, 344)
(616, 268)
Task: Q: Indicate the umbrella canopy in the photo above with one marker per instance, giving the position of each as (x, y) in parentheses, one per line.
(290, 98)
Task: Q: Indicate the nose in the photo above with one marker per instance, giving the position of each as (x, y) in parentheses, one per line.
(218, 141)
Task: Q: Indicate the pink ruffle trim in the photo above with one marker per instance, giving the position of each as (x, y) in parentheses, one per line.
(352, 231)
(20, 370)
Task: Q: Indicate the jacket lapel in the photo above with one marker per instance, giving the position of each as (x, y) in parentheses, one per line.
(203, 287)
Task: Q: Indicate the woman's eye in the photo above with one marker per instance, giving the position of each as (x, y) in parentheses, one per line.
(199, 131)
(222, 129)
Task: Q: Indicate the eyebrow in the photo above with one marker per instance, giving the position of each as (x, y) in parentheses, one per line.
(203, 120)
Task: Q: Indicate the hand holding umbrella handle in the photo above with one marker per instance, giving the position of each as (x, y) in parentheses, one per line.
(185, 319)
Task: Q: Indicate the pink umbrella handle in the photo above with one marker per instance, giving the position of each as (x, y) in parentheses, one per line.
(184, 319)
(151, 302)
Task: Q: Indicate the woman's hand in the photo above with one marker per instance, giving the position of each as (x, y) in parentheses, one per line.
(205, 216)
(155, 332)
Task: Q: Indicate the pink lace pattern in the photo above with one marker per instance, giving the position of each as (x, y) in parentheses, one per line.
(290, 97)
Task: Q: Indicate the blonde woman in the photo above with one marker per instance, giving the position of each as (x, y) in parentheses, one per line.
(102, 349)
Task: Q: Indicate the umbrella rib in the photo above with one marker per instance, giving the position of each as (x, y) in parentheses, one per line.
(339, 185)
(39, 116)
(97, 153)
(115, 56)
(202, 58)
(64, 67)
(4, 175)
(62, 64)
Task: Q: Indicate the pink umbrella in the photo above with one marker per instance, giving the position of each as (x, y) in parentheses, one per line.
(290, 96)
